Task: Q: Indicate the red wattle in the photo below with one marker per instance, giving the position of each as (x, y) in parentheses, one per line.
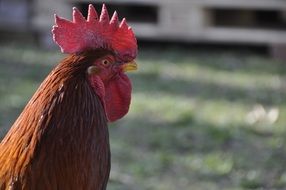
(117, 97)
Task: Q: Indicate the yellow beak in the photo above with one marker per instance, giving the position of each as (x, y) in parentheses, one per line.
(130, 66)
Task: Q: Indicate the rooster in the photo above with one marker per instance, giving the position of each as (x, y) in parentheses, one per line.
(60, 141)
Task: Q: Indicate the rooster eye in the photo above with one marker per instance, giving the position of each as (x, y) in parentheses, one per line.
(105, 62)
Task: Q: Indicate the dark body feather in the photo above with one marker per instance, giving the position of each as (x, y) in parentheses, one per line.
(60, 141)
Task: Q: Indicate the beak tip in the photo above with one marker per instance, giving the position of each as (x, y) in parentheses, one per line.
(130, 66)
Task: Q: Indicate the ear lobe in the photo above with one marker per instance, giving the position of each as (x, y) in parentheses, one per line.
(93, 70)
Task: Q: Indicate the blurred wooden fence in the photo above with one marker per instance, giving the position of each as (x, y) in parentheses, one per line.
(216, 21)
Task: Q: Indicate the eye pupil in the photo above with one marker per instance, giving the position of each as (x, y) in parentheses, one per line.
(105, 62)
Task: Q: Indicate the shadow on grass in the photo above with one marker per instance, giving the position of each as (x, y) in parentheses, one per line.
(152, 83)
(220, 60)
(18, 82)
(17, 71)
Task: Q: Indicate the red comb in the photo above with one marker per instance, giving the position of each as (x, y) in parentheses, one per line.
(81, 34)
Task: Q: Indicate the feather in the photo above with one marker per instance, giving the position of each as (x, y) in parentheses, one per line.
(60, 141)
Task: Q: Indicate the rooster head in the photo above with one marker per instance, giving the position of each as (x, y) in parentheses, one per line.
(112, 47)
(111, 84)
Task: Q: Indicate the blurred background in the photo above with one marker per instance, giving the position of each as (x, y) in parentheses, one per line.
(209, 99)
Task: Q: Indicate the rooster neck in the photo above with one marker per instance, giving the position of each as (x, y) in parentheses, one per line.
(62, 133)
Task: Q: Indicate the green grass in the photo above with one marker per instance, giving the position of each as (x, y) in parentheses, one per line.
(195, 121)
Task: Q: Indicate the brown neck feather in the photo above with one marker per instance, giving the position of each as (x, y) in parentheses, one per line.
(61, 137)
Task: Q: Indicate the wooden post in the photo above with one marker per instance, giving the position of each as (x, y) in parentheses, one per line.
(278, 51)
